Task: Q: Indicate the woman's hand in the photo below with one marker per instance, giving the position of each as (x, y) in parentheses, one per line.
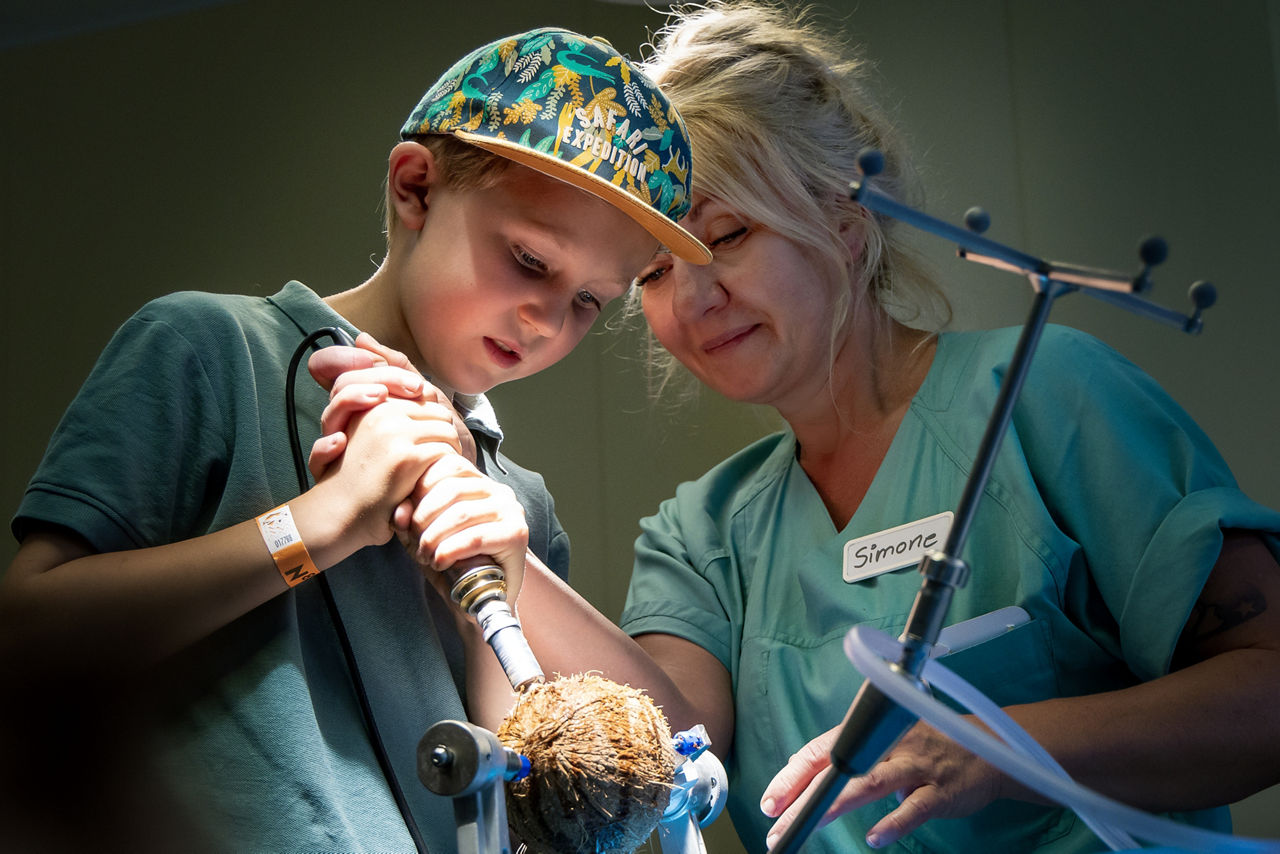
(932, 776)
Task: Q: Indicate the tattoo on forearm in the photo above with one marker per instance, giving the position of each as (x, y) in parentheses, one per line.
(1213, 618)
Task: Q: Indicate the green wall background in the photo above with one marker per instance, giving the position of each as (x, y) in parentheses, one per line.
(234, 146)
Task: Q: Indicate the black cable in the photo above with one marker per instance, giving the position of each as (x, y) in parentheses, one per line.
(339, 336)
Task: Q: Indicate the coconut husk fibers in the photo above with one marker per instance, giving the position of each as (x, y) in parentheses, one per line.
(602, 766)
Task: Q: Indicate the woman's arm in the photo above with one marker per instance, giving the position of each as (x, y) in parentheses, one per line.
(1204, 735)
(570, 636)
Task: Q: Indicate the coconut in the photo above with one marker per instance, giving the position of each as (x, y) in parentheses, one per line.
(601, 765)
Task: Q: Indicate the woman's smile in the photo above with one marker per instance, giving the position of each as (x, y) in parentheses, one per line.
(728, 340)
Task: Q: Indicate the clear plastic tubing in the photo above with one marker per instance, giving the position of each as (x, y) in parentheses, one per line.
(1023, 758)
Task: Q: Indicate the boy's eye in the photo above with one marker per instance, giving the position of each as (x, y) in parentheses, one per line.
(588, 300)
(527, 259)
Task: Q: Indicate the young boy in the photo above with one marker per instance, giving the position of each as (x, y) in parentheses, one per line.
(293, 655)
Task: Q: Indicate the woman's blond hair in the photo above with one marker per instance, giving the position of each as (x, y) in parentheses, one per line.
(778, 112)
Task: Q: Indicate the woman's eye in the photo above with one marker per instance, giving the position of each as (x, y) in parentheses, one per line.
(650, 277)
(725, 240)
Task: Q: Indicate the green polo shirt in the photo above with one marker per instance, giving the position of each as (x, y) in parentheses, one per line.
(181, 430)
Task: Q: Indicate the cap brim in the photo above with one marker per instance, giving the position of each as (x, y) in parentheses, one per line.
(681, 243)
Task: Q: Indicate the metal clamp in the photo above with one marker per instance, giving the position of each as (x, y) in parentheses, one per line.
(467, 763)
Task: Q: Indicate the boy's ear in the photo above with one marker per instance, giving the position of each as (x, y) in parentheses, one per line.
(411, 173)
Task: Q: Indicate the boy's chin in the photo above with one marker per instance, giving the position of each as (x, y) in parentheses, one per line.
(474, 389)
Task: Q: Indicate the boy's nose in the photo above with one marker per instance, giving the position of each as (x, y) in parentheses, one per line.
(544, 314)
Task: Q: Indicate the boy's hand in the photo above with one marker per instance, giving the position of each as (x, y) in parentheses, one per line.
(454, 512)
(458, 513)
(359, 378)
(389, 448)
(329, 363)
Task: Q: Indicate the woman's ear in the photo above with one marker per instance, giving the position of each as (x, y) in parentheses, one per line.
(411, 173)
(853, 232)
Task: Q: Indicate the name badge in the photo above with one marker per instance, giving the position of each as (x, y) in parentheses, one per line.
(905, 545)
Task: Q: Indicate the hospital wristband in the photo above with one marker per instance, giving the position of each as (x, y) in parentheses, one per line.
(286, 546)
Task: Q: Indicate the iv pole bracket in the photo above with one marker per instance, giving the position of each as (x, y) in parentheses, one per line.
(941, 568)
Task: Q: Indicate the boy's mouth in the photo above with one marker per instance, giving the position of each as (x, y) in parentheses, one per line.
(501, 353)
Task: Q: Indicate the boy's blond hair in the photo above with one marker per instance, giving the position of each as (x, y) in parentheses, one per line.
(462, 166)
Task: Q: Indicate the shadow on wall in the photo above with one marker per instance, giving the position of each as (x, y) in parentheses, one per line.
(27, 22)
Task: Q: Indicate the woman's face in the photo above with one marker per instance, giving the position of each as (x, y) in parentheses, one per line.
(754, 324)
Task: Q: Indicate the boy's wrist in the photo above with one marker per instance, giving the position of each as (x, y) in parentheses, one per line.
(284, 541)
(328, 538)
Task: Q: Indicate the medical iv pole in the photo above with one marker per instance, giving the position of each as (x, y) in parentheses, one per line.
(874, 722)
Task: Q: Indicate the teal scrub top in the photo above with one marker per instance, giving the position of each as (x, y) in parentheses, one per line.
(1102, 519)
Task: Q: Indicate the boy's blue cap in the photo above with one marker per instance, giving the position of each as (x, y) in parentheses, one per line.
(572, 108)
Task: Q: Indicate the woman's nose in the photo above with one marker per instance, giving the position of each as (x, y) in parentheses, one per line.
(698, 290)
